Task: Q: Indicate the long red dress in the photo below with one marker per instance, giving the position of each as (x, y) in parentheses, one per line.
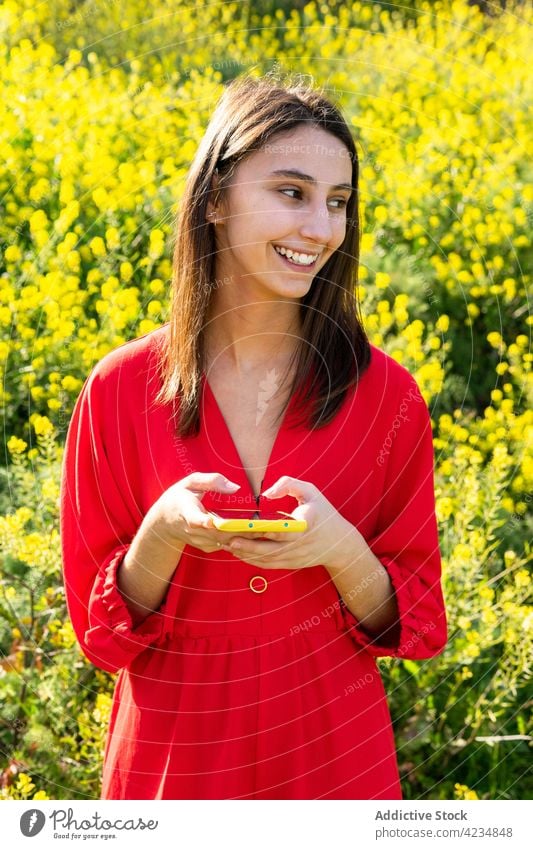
(224, 692)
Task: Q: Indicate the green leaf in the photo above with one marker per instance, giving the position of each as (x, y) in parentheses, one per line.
(412, 667)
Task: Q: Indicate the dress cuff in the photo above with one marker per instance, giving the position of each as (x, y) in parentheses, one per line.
(395, 642)
(112, 635)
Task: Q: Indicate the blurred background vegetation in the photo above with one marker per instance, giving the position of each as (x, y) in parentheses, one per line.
(103, 104)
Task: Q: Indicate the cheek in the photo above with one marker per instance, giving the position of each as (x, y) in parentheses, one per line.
(247, 232)
(341, 230)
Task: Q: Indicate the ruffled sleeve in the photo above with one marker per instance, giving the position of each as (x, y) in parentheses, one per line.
(99, 517)
(406, 538)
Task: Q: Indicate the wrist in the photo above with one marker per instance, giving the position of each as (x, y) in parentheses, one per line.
(161, 528)
(346, 550)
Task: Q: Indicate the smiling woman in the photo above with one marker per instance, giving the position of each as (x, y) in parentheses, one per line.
(247, 665)
(277, 166)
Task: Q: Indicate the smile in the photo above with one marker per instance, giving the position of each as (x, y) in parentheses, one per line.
(294, 258)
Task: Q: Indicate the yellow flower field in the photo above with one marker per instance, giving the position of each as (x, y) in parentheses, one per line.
(100, 118)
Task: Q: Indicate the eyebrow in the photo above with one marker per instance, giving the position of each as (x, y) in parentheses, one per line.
(299, 175)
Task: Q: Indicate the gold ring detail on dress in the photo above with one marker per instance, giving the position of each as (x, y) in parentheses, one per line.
(258, 578)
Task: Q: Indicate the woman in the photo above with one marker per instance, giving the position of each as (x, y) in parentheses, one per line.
(247, 663)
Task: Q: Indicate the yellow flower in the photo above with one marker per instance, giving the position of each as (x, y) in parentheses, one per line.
(157, 243)
(24, 783)
(12, 253)
(70, 383)
(16, 445)
(146, 326)
(494, 339)
(94, 275)
(367, 242)
(444, 508)
(100, 197)
(522, 578)
(443, 323)
(112, 238)
(97, 246)
(462, 551)
(41, 424)
(382, 280)
(464, 792)
(413, 331)
(38, 221)
(74, 57)
(401, 300)
(381, 214)
(37, 393)
(126, 271)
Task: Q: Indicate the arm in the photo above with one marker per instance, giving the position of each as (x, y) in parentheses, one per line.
(365, 586)
(100, 521)
(143, 586)
(406, 546)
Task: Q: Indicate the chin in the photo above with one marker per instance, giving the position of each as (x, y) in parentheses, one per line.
(293, 288)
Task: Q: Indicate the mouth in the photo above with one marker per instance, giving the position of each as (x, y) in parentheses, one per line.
(301, 261)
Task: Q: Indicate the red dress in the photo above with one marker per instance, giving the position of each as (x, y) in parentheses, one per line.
(223, 692)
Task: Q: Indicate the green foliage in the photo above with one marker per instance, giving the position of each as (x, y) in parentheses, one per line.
(85, 250)
(54, 705)
(463, 718)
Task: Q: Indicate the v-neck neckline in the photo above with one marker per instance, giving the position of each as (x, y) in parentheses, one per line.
(238, 464)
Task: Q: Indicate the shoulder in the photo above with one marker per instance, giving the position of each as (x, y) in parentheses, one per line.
(388, 393)
(136, 358)
(386, 377)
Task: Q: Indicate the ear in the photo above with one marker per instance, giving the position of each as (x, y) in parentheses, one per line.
(211, 209)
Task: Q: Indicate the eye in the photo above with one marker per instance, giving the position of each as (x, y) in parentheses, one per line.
(341, 201)
(283, 191)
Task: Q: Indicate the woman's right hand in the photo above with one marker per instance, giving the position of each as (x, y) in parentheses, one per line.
(182, 518)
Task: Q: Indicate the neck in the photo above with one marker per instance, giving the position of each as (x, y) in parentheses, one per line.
(252, 336)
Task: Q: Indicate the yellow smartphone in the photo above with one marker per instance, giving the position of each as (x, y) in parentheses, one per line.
(249, 521)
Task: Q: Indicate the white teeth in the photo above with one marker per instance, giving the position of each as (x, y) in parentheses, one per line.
(299, 259)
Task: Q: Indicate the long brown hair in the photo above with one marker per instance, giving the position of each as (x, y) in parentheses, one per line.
(334, 350)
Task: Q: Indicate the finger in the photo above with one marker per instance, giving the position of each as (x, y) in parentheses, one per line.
(201, 482)
(243, 537)
(200, 520)
(283, 537)
(262, 548)
(263, 562)
(205, 519)
(301, 490)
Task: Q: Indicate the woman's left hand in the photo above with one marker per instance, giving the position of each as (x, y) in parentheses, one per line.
(321, 543)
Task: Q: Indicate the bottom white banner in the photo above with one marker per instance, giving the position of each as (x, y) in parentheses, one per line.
(251, 824)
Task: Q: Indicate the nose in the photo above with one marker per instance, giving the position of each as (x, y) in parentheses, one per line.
(316, 223)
